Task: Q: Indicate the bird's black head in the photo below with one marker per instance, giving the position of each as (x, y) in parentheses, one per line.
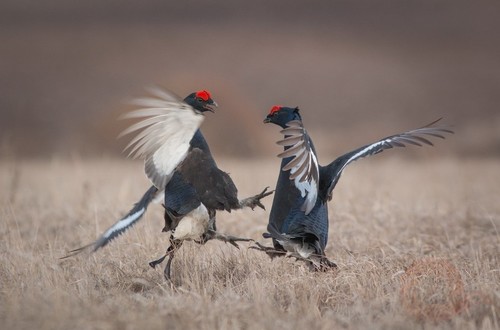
(282, 115)
(201, 101)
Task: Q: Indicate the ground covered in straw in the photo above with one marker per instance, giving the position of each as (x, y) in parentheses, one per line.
(416, 243)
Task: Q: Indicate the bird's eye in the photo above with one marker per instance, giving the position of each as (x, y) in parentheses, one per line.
(200, 100)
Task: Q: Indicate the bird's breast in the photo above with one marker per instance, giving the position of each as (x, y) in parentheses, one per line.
(193, 225)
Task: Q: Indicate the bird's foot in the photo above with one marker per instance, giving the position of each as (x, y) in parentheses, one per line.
(227, 238)
(322, 264)
(174, 246)
(158, 261)
(327, 264)
(270, 251)
(254, 201)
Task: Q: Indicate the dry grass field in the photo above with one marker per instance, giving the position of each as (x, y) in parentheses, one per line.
(416, 240)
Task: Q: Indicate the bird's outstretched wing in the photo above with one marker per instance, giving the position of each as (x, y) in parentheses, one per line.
(418, 137)
(164, 134)
(303, 166)
(162, 140)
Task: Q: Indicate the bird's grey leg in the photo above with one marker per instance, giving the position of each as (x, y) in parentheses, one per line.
(158, 261)
(166, 271)
(320, 263)
(254, 201)
(174, 246)
(212, 234)
(270, 251)
(211, 221)
(315, 262)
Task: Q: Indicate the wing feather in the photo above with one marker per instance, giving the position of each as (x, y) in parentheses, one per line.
(291, 140)
(303, 165)
(413, 137)
(163, 135)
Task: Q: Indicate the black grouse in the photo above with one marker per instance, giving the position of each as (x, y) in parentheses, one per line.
(180, 165)
(298, 222)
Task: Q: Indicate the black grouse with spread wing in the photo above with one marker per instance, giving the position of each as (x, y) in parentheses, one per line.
(180, 165)
(298, 222)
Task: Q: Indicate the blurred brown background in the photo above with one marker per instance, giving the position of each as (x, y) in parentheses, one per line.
(359, 70)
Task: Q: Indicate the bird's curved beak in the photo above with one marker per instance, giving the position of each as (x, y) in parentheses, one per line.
(267, 120)
(211, 107)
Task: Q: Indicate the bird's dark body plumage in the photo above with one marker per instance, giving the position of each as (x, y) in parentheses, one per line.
(288, 217)
(179, 163)
(199, 180)
(298, 221)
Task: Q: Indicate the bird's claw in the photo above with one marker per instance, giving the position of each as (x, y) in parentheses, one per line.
(326, 264)
(254, 201)
(260, 247)
(230, 239)
(212, 234)
(270, 251)
(233, 243)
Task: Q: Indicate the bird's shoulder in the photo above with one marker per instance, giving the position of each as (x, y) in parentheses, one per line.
(215, 187)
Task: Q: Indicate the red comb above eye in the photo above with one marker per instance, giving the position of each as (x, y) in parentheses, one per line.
(204, 95)
(274, 109)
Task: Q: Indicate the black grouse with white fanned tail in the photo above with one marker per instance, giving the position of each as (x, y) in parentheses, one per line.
(179, 164)
(298, 222)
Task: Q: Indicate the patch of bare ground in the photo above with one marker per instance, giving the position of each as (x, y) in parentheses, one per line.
(416, 242)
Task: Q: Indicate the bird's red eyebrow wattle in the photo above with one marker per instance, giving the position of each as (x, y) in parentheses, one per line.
(275, 109)
(204, 95)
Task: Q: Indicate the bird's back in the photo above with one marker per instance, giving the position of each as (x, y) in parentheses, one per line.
(198, 179)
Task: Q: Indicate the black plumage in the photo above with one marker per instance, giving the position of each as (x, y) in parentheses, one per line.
(179, 163)
(298, 221)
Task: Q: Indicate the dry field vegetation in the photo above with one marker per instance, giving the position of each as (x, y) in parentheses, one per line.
(416, 241)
